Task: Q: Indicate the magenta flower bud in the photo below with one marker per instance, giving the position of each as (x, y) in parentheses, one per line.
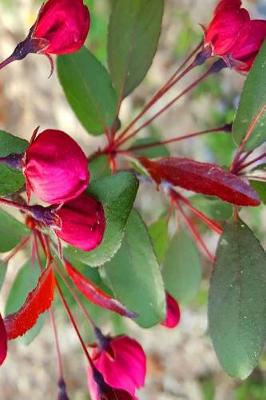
(172, 312)
(63, 25)
(122, 363)
(3, 341)
(99, 390)
(82, 222)
(233, 36)
(55, 167)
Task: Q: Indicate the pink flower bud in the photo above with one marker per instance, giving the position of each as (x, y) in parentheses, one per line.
(3, 341)
(63, 24)
(172, 312)
(122, 363)
(61, 28)
(55, 167)
(82, 222)
(99, 390)
(233, 36)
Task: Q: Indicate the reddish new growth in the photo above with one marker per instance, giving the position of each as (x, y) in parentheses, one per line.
(37, 302)
(205, 178)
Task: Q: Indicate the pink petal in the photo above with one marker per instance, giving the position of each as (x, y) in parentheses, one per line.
(83, 222)
(172, 312)
(126, 369)
(3, 341)
(56, 169)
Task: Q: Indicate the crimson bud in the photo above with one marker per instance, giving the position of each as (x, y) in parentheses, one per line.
(82, 222)
(233, 36)
(63, 24)
(55, 167)
(61, 28)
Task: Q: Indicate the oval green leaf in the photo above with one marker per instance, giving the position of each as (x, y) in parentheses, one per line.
(134, 32)
(88, 89)
(252, 101)
(134, 276)
(11, 231)
(237, 301)
(11, 180)
(117, 193)
(260, 188)
(3, 271)
(182, 268)
(159, 236)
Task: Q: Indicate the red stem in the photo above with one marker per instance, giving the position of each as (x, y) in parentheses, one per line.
(241, 167)
(172, 81)
(75, 296)
(57, 346)
(73, 322)
(251, 128)
(176, 139)
(195, 234)
(165, 108)
(181, 67)
(18, 247)
(213, 225)
(153, 100)
(21, 207)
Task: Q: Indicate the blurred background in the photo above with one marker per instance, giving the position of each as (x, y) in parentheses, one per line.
(181, 363)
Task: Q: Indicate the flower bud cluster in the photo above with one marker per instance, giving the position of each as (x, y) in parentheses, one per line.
(56, 172)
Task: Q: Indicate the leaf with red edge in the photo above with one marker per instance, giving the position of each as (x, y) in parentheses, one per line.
(96, 295)
(205, 178)
(37, 302)
(3, 341)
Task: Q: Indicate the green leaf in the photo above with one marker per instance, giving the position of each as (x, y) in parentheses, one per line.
(134, 276)
(26, 279)
(11, 180)
(260, 188)
(151, 152)
(99, 167)
(212, 207)
(159, 236)
(10, 144)
(253, 99)
(117, 194)
(3, 271)
(134, 32)
(182, 268)
(237, 301)
(11, 231)
(88, 89)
